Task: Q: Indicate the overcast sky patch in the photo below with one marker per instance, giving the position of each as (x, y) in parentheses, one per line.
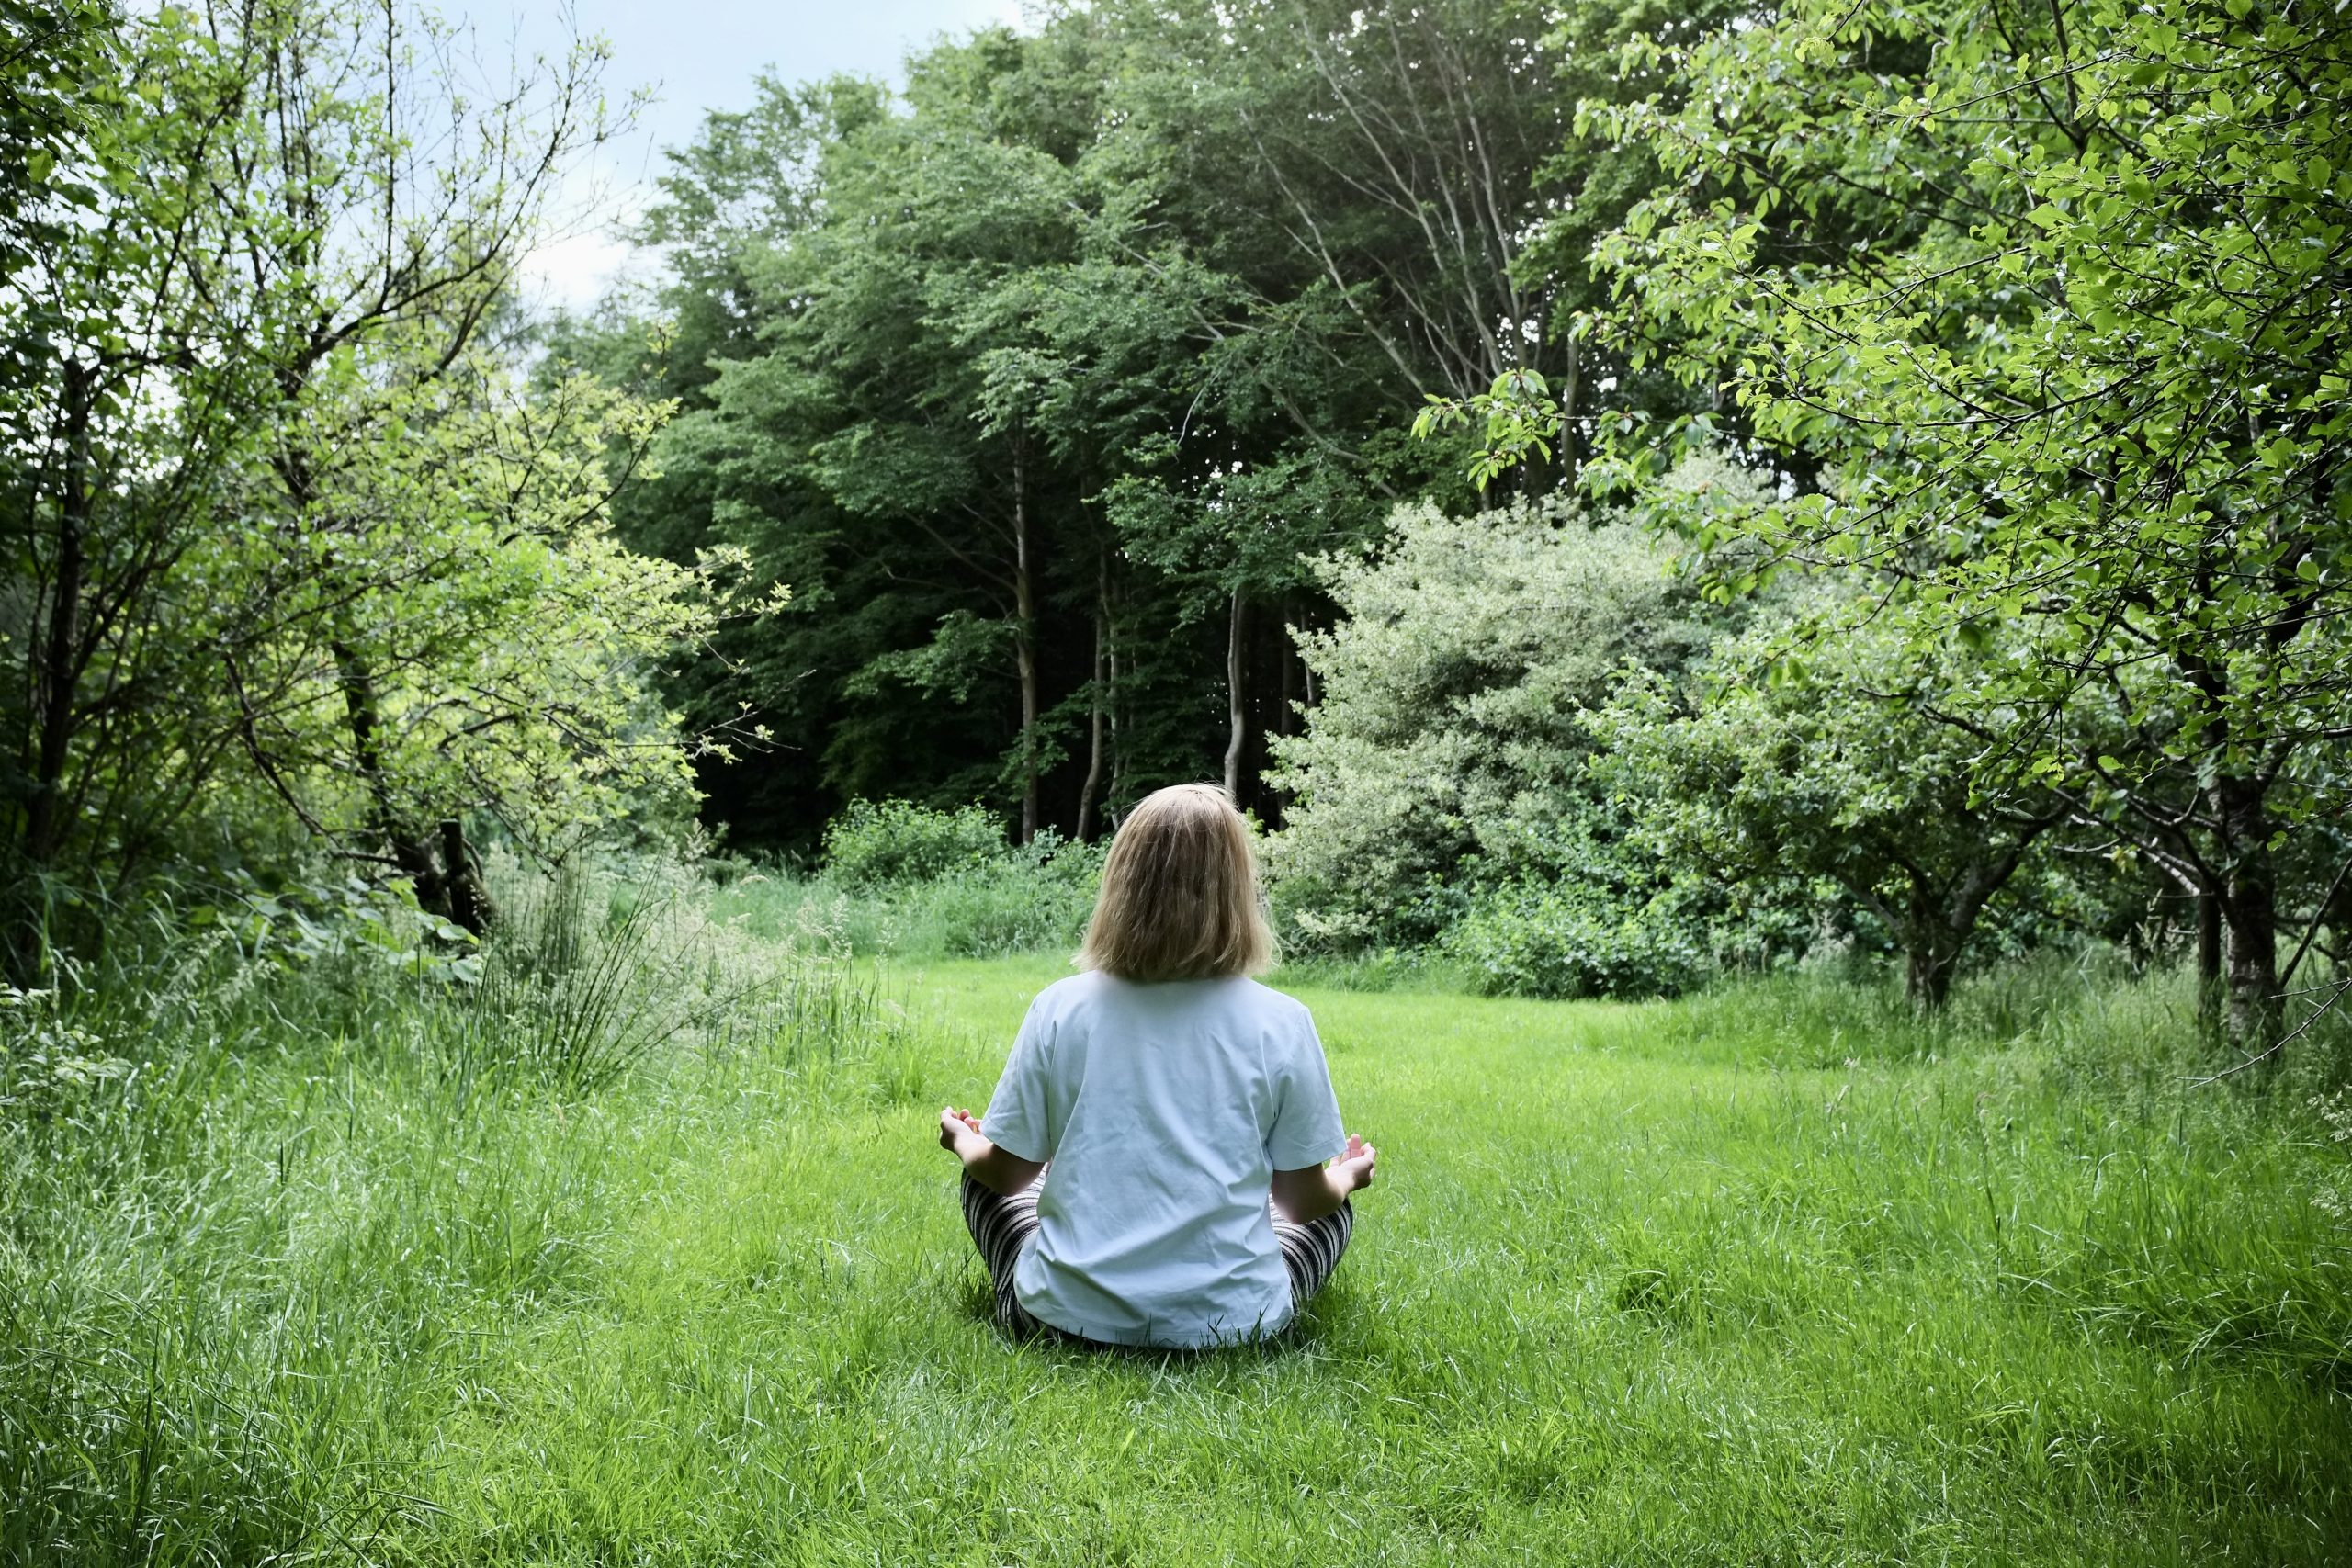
(695, 55)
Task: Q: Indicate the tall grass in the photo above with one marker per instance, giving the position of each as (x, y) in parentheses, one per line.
(978, 911)
(267, 1221)
(319, 1258)
(585, 976)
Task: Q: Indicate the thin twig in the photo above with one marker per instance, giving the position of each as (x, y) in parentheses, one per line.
(2342, 988)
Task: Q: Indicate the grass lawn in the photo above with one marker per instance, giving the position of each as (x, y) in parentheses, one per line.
(1723, 1280)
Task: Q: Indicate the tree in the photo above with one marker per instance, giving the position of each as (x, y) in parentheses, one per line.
(126, 412)
(1537, 416)
(882, 442)
(1450, 741)
(286, 526)
(2075, 364)
(1187, 269)
(1361, 183)
(53, 80)
(453, 627)
(1376, 162)
(1834, 768)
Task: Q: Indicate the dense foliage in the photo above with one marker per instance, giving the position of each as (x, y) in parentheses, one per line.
(2040, 313)
(299, 563)
(1836, 772)
(1543, 750)
(2080, 377)
(909, 880)
(1443, 788)
(1911, 518)
(1039, 381)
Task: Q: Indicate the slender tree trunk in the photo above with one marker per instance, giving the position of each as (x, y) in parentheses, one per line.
(410, 848)
(408, 844)
(468, 900)
(1571, 453)
(57, 674)
(1023, 637)
(1274, 802)
(411, 844)
(1095, 728)
(55, 686)
(1234, 659)
(2250, 912)
(2209, 961)
(1111, 712)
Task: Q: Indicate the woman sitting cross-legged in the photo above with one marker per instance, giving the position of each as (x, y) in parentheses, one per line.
(1152, 1168)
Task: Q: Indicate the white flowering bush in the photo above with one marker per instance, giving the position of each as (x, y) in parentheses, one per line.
(1443, 787)
(1449, 697)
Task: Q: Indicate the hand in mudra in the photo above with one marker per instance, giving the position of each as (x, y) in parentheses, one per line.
(1354, 1167)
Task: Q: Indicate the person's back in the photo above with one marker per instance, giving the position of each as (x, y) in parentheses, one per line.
(1166, 1108)
(1164, 1097)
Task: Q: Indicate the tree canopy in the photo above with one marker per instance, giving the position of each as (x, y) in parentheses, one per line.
(293, 551)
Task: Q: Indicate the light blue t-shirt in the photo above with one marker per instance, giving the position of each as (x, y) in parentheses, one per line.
(1165, 1110)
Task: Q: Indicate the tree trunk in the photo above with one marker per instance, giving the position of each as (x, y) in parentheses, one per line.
(2250, 913)
(1023, 638)
(57, 673)
(1942, 920)
(411, 850)
(1094, 728)
(409, 844)
(1111, 712)
(1930, 949)
(1571, 451)
(1234, 626)
(468, 900)
(2209, 961)
(1927, 976)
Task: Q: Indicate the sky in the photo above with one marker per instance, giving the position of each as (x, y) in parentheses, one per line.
(696, 55)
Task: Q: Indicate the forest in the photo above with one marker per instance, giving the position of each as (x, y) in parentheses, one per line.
(1817, 533)
(1608, 546)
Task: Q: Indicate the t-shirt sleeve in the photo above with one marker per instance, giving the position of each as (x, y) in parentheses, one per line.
(1307, 1113)
(1017, 1120)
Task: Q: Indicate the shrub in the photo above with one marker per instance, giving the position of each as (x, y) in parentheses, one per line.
(905, 879)
(1563, 940)
(2334, 1196)
(1453, 694)
(883, 842)
(1450, 696)
(1027, 899)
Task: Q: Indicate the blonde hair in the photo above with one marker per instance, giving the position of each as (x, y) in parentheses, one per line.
(1179, 897)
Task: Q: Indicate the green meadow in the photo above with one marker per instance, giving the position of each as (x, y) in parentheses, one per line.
(1771, 1274)
(1774, 584)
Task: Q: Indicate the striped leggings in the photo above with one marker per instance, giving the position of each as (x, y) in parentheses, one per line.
(1002, 1227)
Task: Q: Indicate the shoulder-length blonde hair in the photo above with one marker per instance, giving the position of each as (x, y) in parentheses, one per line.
(1179, 897)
